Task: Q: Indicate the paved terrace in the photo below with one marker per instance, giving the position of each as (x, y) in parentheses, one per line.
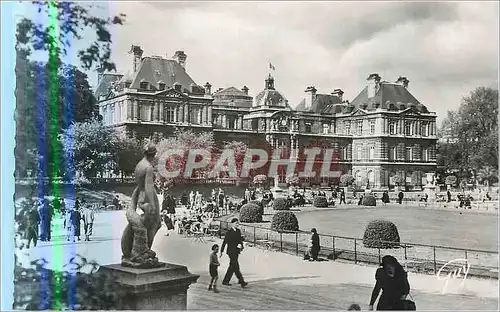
(278, 281)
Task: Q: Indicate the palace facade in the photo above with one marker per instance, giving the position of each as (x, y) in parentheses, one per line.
(382, 132)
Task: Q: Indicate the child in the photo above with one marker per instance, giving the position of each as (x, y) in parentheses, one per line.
(214, 264)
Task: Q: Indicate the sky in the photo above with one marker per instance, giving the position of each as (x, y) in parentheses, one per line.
(445, 49)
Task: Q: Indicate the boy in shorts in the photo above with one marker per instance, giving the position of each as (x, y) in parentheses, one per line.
(213, 268)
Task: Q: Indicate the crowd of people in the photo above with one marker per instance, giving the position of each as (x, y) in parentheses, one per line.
(37, 221)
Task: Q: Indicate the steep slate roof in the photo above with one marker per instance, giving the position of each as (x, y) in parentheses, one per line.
(388, 93)
(233, 97)
(105, 83)
(320, 103)
(154, 69)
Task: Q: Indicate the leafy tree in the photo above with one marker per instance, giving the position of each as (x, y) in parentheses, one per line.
(292, 180)
(487, 175)
(128, 152)
(469, 136)
(451, 180)
(260, 179)
(74, 19)
(346, 179)
(90, 146)
(184, 141)
(239, 148)
(398, 180)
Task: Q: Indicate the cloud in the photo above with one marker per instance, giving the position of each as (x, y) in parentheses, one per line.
(445, 48)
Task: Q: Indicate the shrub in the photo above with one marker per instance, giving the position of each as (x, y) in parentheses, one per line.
(347, 179)
(281, 204)
(258, 203)
(369, 200)
(397, 180)
(260, 179)
(284, 221)
(381, 230)
(450, 180)
(320, 202)
(250, 213)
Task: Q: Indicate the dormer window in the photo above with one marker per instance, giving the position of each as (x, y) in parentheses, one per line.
(144, 85)
(161, 86)
(308, 127)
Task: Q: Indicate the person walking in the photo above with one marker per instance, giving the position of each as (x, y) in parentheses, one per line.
(392, 279)
(234, 242)
(191, 199)
(385, 197)
(448, 195)
(315, 246)
(77, 219)
(32, 226)
(400, 197)
(213, 268)
(342, 197)
(88, 221)
(69, 224)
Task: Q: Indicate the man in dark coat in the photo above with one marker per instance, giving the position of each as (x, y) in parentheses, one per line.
(400, 197)
(234, 242)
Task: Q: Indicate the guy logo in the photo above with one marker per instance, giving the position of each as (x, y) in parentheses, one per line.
(453, 272)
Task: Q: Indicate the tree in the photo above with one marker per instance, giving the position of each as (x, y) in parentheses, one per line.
(184, 141)
(347, 179)
(128, 152)
(469, 136)
(398, 180)
(487, 175)
(292, 179)
(451, 180)
(74, 19)
(89, 147)
(239, 148)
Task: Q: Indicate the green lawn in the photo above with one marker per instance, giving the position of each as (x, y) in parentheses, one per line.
(415, 225)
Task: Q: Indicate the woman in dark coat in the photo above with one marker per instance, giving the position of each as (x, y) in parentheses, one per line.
(77, 218)
(385, 197)
(314, 245)
(392, 279)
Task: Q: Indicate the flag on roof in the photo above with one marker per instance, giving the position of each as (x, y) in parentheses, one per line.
(271, 66)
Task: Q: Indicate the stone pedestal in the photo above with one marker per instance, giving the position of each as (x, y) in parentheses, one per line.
(152, 289)
(431, 191)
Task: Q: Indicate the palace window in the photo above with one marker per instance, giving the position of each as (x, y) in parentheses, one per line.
(161, 86)
(326, 128)
(359, 153)
(360, 127)
(144, 85)
(394, 153)
(425, 129)
(347, 127)
(425, 154)
(170, 114)
(308, 127)
(344, 153)
(112, 114)
(332, 127)
(408, 128)
(372, 126)
(372, 152)
(392, 127)
(409, 155)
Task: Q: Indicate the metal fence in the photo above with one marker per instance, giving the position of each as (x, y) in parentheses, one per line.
(420, 258)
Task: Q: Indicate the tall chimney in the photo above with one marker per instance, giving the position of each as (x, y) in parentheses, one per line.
(137, 52)
(373, 84)
(180, 57)
(309, 96)
(208, 88)
(403, 81)
(245, 90)
(338, 93)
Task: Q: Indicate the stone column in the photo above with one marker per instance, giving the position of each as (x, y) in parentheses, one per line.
(224, 124)
(129, 109)
(200, 115)
(186, 113)
(136, 110)
(176, 112)
(207, 116)
(209, 109)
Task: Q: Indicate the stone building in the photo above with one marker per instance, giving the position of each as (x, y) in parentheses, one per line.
(382, 132)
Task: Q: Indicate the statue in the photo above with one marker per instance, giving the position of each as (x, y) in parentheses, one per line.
(143, 216)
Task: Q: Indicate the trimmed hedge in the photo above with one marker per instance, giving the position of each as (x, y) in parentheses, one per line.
(320, 202)
(381, 230)
(369, 200)
(284, 221)
(281, 204)
(250, 213)
(258, 203)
